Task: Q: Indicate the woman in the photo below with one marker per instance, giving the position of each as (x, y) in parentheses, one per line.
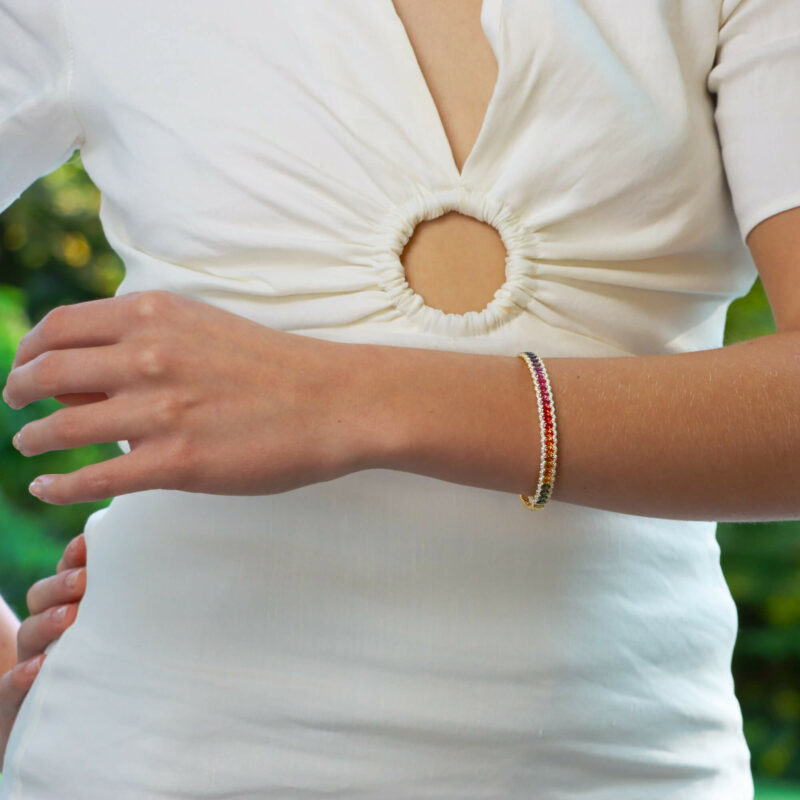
(314, 576)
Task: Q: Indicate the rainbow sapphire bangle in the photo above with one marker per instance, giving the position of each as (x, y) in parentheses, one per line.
(547, 424)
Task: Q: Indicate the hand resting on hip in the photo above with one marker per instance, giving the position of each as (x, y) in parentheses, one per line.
(63, 590)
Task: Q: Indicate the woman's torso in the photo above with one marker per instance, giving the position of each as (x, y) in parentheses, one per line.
(269, 157)
(384, 634)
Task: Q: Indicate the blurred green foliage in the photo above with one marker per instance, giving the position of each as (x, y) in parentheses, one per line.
(53, 252)
(761, 563)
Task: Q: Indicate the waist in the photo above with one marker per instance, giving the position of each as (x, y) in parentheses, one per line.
(402, 570)
(388, 629)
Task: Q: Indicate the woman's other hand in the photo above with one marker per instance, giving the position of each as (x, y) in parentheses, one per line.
(46, 597)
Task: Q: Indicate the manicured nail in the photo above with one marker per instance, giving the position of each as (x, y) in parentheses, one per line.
(38, 485)
(74, 577)
(17, 439)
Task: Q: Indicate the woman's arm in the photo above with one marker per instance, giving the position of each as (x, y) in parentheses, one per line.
(707, 435)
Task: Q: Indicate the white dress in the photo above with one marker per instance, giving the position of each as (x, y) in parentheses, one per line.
(385, 635)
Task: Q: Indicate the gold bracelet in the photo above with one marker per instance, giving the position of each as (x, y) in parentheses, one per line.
(547, 425)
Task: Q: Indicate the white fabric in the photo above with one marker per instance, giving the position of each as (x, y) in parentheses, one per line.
(385, 635)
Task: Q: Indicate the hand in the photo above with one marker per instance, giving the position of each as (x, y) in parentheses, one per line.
(209, 401)
(41, 628)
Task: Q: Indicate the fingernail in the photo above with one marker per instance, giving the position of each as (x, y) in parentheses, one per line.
(33, 666)
(60, 613)
(38, 485)
(74, 577)
(17, 440)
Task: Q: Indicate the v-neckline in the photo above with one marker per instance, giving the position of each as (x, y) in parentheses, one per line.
(493, 37)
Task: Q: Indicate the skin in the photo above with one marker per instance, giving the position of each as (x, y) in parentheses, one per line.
(457, 63)
(189, 413)
(22, 645)
(688, 446)
(691, 443)
(454, 262)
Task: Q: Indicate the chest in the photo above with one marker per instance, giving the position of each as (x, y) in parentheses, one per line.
(305, 124)
(457, 63)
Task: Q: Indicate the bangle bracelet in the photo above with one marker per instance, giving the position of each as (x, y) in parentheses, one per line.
(547, 425)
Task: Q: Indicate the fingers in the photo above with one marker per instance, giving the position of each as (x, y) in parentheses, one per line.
(67, 586)
(87, 423)
(140, 470)
(74, 554)
(39, 630)
(87, 324)
(15, 683)
(67, 371)
(53, 601)
(54, 595)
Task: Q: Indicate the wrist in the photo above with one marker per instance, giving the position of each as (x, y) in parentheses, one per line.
(377, 433)
(461, 417)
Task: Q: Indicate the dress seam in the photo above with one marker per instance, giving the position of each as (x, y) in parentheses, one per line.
(71, 72)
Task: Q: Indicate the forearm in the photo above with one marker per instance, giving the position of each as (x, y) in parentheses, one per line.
(8, 637)
(706, 435)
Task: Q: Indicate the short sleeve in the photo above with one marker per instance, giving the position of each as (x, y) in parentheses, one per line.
(38, 126)
(756, 82)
